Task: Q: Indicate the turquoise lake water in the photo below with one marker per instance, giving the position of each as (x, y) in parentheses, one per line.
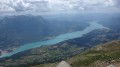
(60, 38)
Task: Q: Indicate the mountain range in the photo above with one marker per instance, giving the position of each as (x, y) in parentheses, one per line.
(16, 31)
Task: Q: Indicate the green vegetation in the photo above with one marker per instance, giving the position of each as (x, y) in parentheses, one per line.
(107, 53)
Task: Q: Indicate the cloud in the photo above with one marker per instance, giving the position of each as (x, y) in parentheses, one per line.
(19, 5)
(117, 2)
(4, 7)
(14, 5)
(58, 5)
(81, 5)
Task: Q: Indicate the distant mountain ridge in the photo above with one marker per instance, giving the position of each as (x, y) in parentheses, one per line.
(17, 30)
(22, 29)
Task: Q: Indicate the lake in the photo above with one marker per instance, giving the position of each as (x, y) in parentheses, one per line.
(60, 38)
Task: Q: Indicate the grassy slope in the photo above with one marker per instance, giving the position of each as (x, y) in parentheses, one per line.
(99, 56)
(102, 53)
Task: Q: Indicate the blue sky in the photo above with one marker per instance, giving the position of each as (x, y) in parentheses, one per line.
(11, 6)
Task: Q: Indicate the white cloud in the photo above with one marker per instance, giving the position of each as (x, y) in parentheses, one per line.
(58, 5)
(14, 5)
(19, 5)
(4, 7)
(82, 4)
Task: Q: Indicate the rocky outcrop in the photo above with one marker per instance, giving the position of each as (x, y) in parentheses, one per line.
(111, 65)
(63, 64)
